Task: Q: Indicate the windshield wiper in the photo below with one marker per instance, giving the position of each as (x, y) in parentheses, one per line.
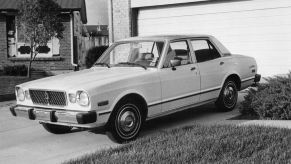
(134, 64)
(103, 64)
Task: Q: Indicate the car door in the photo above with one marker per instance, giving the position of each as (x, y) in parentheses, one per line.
(211, 66)
(180, 84)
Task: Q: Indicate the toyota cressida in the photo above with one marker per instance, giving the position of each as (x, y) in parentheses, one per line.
(138, 79)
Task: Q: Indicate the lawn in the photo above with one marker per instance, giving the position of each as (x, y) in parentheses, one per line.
(201, 144)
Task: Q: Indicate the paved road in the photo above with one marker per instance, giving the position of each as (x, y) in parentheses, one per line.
(24, 141)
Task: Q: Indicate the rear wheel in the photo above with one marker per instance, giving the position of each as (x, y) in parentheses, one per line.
(228, 96)
(56, 129)
(126, 122)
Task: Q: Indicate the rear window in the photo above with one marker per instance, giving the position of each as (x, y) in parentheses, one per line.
(204, 50)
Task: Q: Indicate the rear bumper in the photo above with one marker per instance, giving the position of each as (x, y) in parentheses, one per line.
(252, 81)
(257, 78)
(60, 117)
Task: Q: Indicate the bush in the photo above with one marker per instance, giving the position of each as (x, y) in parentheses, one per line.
(271, 100)
(93, 54)
(16, 70)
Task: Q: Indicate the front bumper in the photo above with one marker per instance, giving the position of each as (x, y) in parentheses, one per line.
(63, 117)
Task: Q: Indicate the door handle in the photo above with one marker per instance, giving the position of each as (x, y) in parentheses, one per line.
(193, 68)
(221, 63)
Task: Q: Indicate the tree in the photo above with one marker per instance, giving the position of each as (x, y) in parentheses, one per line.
(39, 21)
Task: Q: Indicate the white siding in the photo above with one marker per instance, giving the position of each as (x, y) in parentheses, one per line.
(146, 3)
(257, 28)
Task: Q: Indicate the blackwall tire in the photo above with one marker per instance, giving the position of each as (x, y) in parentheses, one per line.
(56, 129)
(126, 122)
(228, 97)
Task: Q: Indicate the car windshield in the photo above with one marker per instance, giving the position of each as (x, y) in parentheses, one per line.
(132, 54)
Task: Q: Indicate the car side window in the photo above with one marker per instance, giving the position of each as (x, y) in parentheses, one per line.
(178, 50)
(204, 50)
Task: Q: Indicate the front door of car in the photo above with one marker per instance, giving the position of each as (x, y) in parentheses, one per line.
(180, 84)
(211, 66)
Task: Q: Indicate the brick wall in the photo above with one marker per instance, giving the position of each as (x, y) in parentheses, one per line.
(62, 63)
(121, 19)
(3, 41)
(8, 83)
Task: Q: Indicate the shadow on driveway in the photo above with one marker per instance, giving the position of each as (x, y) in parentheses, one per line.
(186, 117)
(180, 118)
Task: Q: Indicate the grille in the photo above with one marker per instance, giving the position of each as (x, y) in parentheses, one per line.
(54, 98)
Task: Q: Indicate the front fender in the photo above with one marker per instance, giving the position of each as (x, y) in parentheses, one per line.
(105, 113)
(123, 94)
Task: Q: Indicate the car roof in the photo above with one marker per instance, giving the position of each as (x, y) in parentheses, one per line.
(165, 37)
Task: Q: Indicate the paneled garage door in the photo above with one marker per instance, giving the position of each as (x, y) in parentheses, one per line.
(257, 28)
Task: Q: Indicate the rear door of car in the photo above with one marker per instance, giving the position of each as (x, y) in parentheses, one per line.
(211, 66)
(181, 84)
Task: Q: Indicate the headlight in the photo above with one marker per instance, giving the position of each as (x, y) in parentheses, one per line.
(83, 98)
(20, 94)
(27, 95)
(72, 98)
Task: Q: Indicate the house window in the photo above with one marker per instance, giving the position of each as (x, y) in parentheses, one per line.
(11, 33)
(19, 47)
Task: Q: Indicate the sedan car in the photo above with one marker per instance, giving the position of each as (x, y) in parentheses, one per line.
(138, 79)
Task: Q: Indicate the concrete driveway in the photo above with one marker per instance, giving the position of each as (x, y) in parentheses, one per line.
(24, 141)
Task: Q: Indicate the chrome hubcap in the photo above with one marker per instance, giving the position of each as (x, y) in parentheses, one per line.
(230, 95)
(127, 121)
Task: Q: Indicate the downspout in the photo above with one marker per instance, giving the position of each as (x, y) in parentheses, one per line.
(111, 33)
(72, 40)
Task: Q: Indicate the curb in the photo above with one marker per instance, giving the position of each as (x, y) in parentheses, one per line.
(7, 97)
(268, 123)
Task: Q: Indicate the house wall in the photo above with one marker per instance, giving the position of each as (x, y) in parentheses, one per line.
(62, 62)
(250, 27)
(147, 3)
(3, 41)
(78, 28)
(120, 24)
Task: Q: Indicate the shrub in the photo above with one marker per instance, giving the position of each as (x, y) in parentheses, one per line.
(271, 100)
(93, 54)
(16, 70)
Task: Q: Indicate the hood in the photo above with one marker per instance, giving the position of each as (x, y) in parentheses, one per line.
(85, 78)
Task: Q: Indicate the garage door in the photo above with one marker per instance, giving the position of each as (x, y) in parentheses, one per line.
(257, 28)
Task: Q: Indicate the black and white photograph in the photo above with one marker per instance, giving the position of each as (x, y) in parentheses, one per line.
(145, 81)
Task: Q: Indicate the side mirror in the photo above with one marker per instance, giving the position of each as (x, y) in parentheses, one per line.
(174, 63)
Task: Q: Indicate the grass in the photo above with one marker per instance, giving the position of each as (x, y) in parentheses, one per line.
(201, 144)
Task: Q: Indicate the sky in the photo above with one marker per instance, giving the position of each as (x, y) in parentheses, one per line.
(97, 13)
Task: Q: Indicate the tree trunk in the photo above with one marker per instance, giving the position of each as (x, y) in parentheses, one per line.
(30, 61)
(29, 69)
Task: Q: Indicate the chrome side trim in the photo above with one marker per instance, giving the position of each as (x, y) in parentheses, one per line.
(180, 109)
(247, 79)
(185, 96)
(103, 113)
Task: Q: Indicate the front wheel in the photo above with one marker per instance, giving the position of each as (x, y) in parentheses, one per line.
(126, 122)
(228, 96)
(56, 129)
